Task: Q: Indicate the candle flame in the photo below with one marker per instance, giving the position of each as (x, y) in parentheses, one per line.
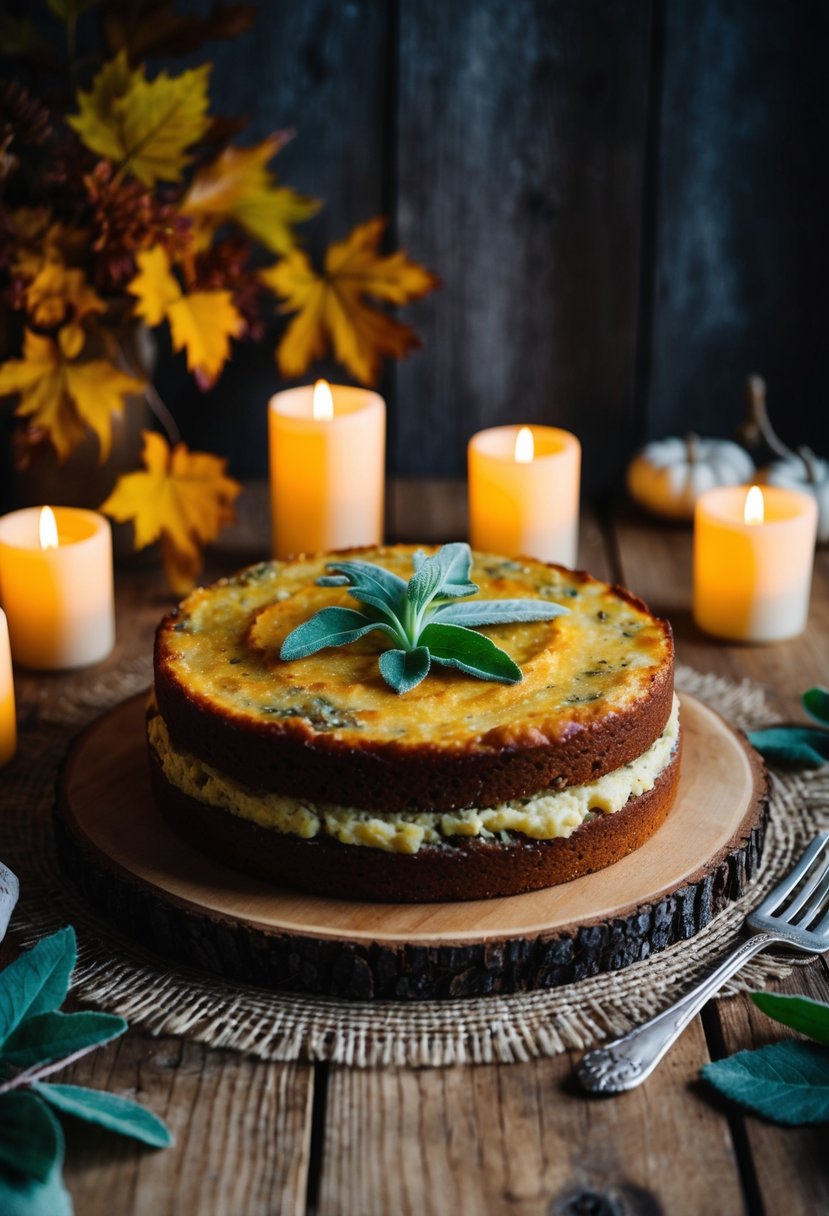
(48, 529)
(322, 403)
(754, 510)
(524, 446)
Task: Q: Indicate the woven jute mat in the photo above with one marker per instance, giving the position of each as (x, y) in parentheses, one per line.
(116, 975)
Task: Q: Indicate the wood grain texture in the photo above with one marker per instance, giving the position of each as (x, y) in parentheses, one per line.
(740, 200)
(241, 1127)
(519, 1141)
(788, 1174)
(520, 142)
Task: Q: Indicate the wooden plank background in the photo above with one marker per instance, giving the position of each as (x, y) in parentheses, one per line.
(625, 200)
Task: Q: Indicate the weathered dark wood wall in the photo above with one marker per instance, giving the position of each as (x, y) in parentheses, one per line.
(626, 201)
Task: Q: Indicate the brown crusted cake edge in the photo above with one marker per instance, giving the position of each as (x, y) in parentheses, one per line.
(471, 869)
(290, 758)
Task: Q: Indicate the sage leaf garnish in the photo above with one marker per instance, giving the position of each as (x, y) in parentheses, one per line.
(800, 1012)
(422, 618)
(816, 702)
(786, 1082)
(37, 1040)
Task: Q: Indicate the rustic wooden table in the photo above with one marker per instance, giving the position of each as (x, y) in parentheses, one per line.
(257, 1139)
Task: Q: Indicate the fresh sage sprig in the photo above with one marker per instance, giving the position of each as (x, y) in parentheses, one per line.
(786, 1082)
(798, 746)
(422, 618)
(36, 1040)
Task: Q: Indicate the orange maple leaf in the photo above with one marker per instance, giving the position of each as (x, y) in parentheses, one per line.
(238, 186)
(64, 396)
(203, 322)
(182, 498)
(331, 307)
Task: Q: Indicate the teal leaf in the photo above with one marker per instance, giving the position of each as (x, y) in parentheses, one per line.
(800, 1012)
(471, 652)
(37, 981)
(107, 1110)
(445, 573)
(31, 1140)
(816, 702)
(498, 612)
(328, 627)
(803, 746)
(786, 1082)
(418, 558)
(369, 583)
(404, 669)
(21, 1196)
(53, 1036)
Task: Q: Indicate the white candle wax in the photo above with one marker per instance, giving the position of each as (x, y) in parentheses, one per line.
(59, 600)
(752, 579)
(327, 469)
(8, 720)
(525, 500)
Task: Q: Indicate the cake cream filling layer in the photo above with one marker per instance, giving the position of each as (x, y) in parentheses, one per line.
(547, 815)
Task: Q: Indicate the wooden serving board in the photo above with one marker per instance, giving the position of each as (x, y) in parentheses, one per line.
(115, 845)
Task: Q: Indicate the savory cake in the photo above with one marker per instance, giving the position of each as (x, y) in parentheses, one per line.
(316, 775)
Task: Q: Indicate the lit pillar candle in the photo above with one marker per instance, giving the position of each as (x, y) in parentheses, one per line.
(524, 492)
(753, 558)
(8, 721)
(328, 453)
(56, 586)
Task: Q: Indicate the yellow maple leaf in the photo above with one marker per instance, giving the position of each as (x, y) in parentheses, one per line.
(203, 322)
(182, 498)
(60, 296)
(238, 186)
(331, 308)
(65, 397)
(144, 125)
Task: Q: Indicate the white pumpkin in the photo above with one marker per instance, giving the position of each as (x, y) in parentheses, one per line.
(668, 475)
(802, 470)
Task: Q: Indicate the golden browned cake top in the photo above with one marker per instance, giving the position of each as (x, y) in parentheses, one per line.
(601, 659)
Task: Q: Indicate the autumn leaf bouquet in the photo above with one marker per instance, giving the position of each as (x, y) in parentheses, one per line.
(125, 205)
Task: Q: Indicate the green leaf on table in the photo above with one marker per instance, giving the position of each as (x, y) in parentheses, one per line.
(37, 981)
(114, 1113)
(786, 1082)
(404, 669)
(328, 627)
(792, 745)
(497, 612)
(800, 1012)
(31, 1140)
(20, 1196)
(816, 702)
(53, 1036)
(474, 653)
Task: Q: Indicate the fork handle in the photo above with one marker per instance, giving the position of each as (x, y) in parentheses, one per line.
(627, 1061)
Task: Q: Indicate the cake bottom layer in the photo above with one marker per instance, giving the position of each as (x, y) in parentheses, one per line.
(467, 870)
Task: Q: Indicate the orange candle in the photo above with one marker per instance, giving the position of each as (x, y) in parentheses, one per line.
(56, 586)
(524, 492)
(327, 456)
(8, 721)
(753, 557)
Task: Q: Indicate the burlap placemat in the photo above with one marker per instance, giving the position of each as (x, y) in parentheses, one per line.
(115, 974)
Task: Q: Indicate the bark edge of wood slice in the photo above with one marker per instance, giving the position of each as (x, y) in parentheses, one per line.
(116, 847)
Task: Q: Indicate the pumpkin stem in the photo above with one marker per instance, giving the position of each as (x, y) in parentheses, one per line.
(692, 447)
(759, 423)
(810, 460)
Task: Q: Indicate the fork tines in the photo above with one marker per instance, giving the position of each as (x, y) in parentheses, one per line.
(803, 895)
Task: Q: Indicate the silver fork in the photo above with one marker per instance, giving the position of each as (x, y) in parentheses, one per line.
(792, 915)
